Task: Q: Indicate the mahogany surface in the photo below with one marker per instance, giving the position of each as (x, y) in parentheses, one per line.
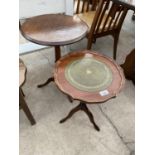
(88, 97)
(54, 29)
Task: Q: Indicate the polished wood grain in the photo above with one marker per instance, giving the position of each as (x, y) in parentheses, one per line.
(104, 17)
(54, 29)
(89, 97)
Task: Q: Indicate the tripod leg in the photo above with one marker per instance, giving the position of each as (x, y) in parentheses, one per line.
(46, 83)
(70, 98)
(77, 108)
(91, 118)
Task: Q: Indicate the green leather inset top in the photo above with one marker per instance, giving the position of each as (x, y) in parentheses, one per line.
(88, 74)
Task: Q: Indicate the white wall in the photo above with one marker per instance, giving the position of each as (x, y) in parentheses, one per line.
(29, 8)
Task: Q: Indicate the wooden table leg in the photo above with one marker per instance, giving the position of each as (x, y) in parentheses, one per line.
(82, 106)
(57, 53)
(57, 57)
(70, 99)
(90, 115)
(51, 79)
(22, 92)
(25, 108)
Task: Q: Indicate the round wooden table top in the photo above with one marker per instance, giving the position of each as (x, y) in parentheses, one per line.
(88, 76)
(22, 72)
(54, 29)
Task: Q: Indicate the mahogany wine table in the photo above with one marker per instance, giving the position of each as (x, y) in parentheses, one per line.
(54, 30)
(89, 77)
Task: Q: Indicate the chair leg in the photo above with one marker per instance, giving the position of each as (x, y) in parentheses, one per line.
(116, 36)
(94, 40)
(25, 108)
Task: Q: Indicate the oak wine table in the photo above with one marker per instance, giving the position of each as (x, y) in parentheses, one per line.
(54, 30)
(89, 77)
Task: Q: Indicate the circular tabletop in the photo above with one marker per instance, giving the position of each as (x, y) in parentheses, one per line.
(88, 76)
(22, 72)
(54, 29)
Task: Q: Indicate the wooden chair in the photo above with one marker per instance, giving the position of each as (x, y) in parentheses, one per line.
(104, 17)
(22, 102)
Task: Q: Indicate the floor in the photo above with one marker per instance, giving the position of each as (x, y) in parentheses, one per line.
(116, 117)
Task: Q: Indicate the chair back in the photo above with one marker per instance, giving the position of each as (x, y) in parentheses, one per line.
(109, 16)
(81, 6)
